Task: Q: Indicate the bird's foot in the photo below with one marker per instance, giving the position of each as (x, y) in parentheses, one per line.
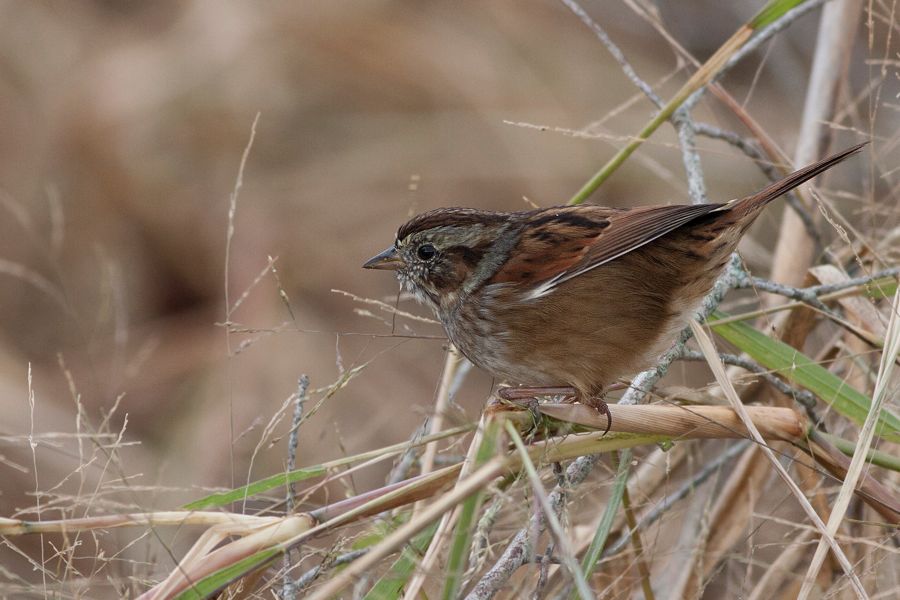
(600, 405)
(569, 394)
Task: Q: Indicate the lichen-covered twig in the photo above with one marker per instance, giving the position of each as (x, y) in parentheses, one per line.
(289, 587)
(312, 574)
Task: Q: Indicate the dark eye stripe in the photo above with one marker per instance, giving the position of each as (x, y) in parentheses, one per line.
(470, 256)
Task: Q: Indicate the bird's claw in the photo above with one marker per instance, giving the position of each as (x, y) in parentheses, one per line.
(569, 394)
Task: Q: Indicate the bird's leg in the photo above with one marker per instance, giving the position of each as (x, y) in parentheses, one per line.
(531, 404)
(569, 393)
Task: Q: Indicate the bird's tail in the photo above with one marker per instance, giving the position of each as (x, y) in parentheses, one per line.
(761, 198)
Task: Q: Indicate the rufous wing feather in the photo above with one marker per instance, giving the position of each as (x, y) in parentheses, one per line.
(553, 241)
(558, 244)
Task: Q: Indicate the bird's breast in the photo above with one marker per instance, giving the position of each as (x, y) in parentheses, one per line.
(476, 332)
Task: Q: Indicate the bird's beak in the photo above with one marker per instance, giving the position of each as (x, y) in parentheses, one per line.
(387, 260)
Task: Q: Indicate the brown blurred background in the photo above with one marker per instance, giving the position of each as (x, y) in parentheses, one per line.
(123, 127)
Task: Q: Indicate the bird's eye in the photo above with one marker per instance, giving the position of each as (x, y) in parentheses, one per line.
(426, 252)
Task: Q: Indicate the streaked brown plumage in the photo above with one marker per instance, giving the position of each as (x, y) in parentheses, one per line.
(572, 296)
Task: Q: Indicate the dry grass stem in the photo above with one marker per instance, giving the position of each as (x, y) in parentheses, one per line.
(719, 370)
(858, 462)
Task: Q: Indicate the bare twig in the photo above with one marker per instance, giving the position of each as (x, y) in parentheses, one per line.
(409, 457)
(822, 290)
(544, 561)
(312, 574)
(615, 51)
(799, 294)
(686, 133)
(294, 438)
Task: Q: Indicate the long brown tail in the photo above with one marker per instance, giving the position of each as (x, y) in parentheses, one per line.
(782, 186)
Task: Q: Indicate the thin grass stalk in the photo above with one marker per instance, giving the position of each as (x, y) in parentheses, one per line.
(389, 585)
(877, 495)
(176, 518)
(240, 557)
(263, 485)
(651, 424)
(471, 485)
(217, 568)
(209, 576)
(451, 365)
(639, 557)
(644, 482)
(451, 368)
(430, 552)
(873, 456)
(866, 435)
(562, 540)
(706, 346)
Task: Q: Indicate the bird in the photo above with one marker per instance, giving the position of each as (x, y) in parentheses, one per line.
(572, 298)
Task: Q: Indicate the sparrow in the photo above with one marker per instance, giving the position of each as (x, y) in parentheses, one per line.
(572, 297)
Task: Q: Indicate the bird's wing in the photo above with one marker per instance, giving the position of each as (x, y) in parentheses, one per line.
(558, 244)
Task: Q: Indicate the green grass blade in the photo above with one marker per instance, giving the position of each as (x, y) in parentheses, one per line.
(876, 457)
(465, 527)
(390, 584)
(257, 487)
(213, 582)
(282, 479)
(771, 12)
(563, 546)
(589, 563)
(802, 370)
